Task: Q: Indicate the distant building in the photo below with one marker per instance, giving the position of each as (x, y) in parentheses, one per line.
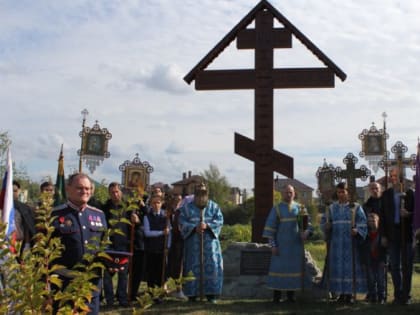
(303, 192)
(186, 186)
(164, 187)
(236, 196)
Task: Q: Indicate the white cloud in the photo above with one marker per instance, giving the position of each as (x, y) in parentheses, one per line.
(174, 148)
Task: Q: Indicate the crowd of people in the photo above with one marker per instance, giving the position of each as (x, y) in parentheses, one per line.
(364, 242)
(161, 236)
(172, 235)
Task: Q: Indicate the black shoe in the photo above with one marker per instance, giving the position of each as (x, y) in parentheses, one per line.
(348, 299)
(276, 296)
(341, 298)
(124, 304)
(406, 302)
(291, 297)
(192, 299)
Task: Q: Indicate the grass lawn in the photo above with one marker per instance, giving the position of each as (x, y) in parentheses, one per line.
(266, 307)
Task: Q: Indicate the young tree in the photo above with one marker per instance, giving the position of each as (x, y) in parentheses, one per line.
(219, 188)
(4, 144)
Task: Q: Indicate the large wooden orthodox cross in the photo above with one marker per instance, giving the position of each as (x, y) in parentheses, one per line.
(263, 80)
(351, 173)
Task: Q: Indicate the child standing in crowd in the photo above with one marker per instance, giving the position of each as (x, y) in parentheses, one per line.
(376, 262)
(157, 240)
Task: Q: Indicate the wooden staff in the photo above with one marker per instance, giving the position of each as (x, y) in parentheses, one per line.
(201, 256)
(327, 258)
(130, 261)
(303, 225)
(403, 249)
(165, 249)
(353, 250)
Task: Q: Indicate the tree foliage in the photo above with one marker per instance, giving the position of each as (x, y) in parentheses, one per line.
(19, 172)
(101, 191)
(219, 188)
(4, 144)
(240, 214)
(29, 278)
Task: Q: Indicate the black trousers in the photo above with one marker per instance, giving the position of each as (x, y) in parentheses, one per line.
(137, 273)
(154, 262)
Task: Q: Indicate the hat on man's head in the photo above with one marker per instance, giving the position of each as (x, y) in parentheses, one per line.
(200, 188)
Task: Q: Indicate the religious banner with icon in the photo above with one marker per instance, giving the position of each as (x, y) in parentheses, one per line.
(373, 145)
(326, 182)
(94, 147)
(136, 174)
(373, 142)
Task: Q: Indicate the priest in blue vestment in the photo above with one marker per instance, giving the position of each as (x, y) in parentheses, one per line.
(202, 218)
(344, 225)
(286, 270)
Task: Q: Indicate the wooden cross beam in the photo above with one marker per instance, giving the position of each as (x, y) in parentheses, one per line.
(350, 174)
(264, 38)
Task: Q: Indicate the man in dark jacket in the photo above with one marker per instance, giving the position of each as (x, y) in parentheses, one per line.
(114, 210)
(80, 228)
(372, 205)
(24, 219)
(397, 235)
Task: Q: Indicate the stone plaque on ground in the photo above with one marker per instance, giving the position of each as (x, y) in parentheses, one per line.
(254, 262)
(240, 258)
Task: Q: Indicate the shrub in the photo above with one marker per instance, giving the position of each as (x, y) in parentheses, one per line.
(235, 233)
(240, 214)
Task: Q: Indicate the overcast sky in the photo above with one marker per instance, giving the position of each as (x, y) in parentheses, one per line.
(125, 61)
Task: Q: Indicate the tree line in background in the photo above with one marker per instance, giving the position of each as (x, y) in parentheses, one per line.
(219, 191)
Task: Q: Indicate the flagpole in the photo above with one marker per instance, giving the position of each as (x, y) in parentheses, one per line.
(385, 153)
(416, 219)
(8, 214)
(84, 115)
(60, 191)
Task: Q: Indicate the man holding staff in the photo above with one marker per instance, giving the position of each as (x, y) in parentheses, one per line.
(286, 234)
(346, 224)
(201, 222)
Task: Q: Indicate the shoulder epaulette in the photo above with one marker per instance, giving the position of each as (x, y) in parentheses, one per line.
(60, 207)
(93, 208)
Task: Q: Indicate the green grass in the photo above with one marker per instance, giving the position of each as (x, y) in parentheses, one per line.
(266, 307)
(317, 250)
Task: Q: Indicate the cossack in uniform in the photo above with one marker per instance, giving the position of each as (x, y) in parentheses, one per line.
(77, 228)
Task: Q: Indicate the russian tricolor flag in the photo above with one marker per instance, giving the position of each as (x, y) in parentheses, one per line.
(416, 219)
(6, 199)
